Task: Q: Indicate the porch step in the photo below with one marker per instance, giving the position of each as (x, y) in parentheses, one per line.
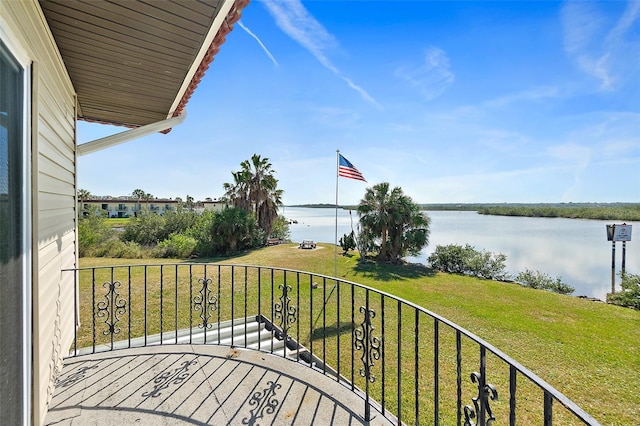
(257, 337)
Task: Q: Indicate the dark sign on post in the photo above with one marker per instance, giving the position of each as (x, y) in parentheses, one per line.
(618, 233)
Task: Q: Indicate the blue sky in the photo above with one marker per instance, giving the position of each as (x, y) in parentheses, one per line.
(455, 102)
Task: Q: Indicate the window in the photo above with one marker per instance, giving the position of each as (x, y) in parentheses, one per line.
(13, 240)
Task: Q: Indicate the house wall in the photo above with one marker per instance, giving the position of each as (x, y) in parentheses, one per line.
(53, 199)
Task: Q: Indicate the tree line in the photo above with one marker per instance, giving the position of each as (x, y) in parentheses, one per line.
(622, 212)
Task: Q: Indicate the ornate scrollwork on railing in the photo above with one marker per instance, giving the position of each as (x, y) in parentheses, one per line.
(365, 342)
(112, 308)
(263, 402)
(481, 402)
(284, 311)
(206, 302)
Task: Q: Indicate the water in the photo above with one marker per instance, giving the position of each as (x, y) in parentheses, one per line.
(576, 250)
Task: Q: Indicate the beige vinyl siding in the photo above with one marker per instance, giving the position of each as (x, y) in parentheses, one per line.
(53, 196)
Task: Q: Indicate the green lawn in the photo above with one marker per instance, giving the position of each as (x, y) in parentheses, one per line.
(587, 350)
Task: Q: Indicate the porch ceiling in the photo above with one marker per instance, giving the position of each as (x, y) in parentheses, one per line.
(137, 62)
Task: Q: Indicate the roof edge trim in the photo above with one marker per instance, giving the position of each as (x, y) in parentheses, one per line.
(223, 24)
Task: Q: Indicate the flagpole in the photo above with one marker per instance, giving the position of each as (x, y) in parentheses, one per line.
(335, 249)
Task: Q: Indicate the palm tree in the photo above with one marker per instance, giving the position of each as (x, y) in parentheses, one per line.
(255, 189)
(395, 220)
(83, 195)
(375, 213)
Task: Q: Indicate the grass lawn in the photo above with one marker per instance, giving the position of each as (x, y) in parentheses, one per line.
(587, 350)
(118, 222)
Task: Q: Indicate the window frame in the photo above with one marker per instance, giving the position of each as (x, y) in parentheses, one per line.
(19, 55)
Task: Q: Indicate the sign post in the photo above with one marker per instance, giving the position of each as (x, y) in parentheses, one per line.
(618, 233)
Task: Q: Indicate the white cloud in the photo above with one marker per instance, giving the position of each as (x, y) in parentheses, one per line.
(600, 48)
(431, 78)
(296, 21)
(536, 94)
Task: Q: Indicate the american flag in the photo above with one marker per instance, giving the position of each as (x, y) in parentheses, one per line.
(348, 170)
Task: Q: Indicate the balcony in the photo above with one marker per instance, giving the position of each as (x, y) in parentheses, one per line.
(237, 344)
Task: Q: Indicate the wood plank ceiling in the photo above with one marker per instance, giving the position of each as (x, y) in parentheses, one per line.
(128, 59)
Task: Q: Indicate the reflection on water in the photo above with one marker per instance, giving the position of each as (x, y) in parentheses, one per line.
(575, 249)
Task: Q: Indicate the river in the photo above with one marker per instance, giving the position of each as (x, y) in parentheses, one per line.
(576, 250)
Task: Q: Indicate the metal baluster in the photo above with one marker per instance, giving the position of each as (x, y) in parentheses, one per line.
(298, 322)
(93, 307)
(483, 381)
(416, 347)
(176, 306)
(272, 313)
(324, 325)
(259, 304)
(459, 376)
(145, 305)
(233, 292)
(219, 270)
(436, 371)
(130, 306)
(310, 320)
(76, 308)
(548, 408)
(512, 395)
(245, 305)
(285, 329)
(353, 296)
(112, 288)
(384, 376)
(191, 304)
(399, 358)
(161, 302)
(337, 283)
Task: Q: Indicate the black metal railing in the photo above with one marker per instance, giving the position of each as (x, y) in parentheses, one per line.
(413, 365)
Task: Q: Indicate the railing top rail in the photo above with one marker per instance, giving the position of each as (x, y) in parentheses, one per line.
(557, 395)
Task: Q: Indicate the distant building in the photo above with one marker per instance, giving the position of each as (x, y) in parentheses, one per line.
(214, 204)
(129, 207)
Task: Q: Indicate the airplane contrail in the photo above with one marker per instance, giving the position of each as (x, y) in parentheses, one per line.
(248, 31)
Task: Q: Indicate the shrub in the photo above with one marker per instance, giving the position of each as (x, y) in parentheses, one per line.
(452, 258)
(348, 242)
(488, 265)
(177, 245)
(93, 231)
(145, 229)
(280, 229)
(542, 281)
(630, 294)
(121, 249)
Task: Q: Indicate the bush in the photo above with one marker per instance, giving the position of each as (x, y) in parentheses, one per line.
(177, 245)
(121, 249)
(451, 258)
(145, 229)
(280, 229)
(466, 260)
(93, 231)
(348, 242)
(630, 294)
(542, 281)
(488, 265)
